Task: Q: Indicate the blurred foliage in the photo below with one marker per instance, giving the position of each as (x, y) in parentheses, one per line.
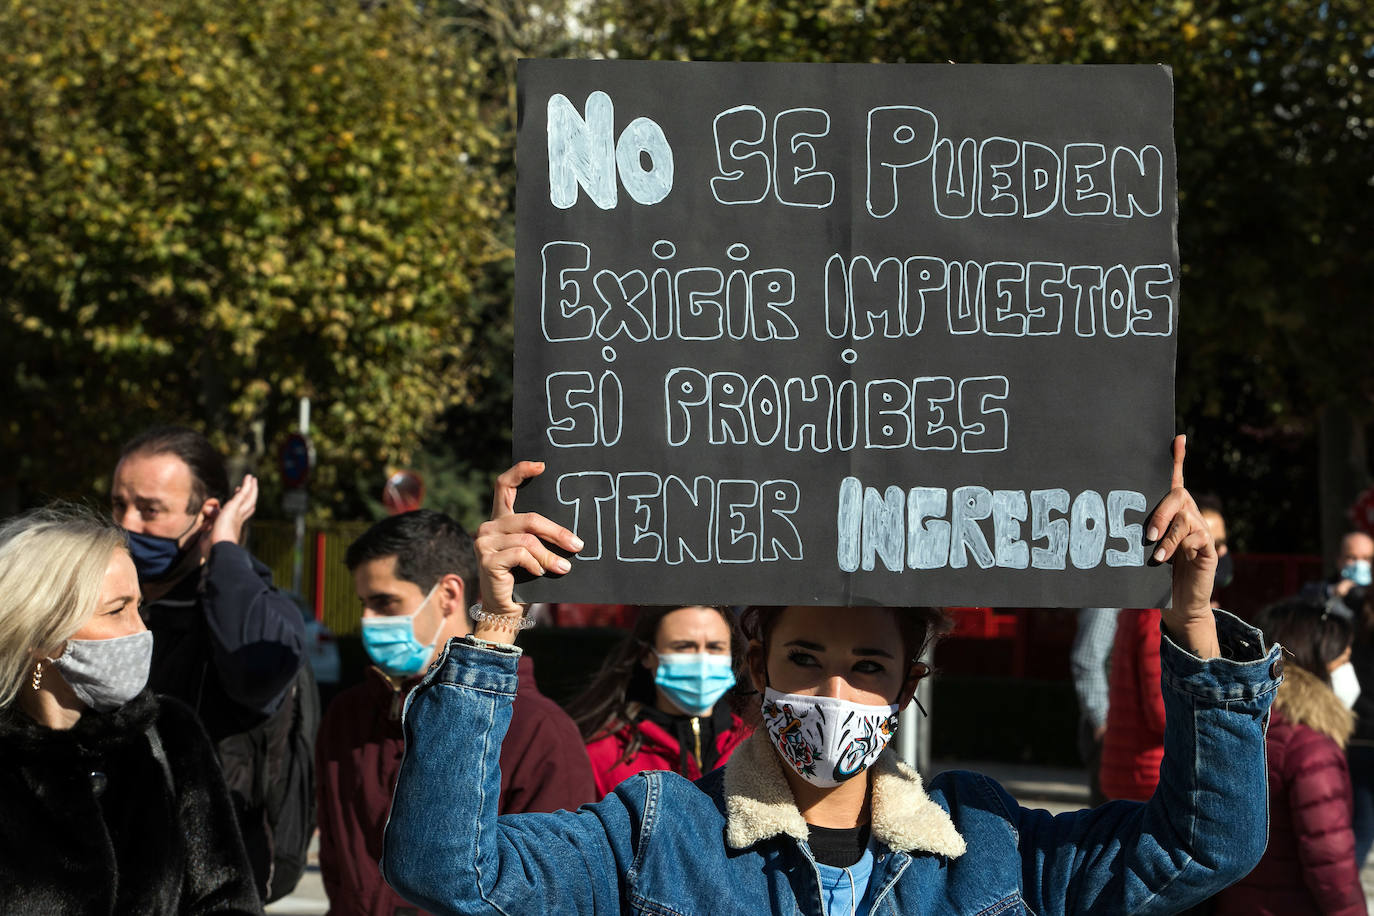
(213, 208)
(471, 442)
(210, 209)
(1274, 111)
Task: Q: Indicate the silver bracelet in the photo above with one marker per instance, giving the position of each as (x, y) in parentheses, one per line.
(500, 621)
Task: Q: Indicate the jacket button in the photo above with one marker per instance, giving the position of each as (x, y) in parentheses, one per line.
(98, 782)
(1276, 669)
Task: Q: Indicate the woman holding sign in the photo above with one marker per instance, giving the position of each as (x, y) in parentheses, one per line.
(812, 814)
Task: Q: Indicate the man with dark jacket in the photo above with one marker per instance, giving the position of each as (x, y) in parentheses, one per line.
(415, 574)
(225, 642)
(1344, 590)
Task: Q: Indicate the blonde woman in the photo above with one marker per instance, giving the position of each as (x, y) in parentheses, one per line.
(111, 797)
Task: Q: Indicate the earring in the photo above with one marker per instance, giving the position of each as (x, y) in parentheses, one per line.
(37, 675)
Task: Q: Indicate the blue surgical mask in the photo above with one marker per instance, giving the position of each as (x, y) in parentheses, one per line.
(156, 557)
(694, 681)
(1357, 571)
(391, 643)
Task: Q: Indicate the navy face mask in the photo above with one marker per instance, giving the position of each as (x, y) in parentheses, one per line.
(156, 557)
(1226, 571)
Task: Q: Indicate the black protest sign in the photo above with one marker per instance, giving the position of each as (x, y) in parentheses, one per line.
(847, 334)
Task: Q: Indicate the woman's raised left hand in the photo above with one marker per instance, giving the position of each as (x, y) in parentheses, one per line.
(1185, 541)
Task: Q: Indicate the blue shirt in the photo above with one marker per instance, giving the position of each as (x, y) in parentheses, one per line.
(843, 888)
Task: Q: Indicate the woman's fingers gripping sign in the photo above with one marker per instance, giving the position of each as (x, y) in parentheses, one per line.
(517, 540)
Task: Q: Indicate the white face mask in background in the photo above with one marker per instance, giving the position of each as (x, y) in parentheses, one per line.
(1346, 684)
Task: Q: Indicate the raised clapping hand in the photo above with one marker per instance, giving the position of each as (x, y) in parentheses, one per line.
(1186, 542)
(515, 540)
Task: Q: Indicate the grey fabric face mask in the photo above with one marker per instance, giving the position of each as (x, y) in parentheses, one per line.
(106, 673)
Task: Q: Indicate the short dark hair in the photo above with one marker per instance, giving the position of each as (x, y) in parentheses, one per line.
(1209, 502)
(209, 479)
(427, 545)
(1314, 633)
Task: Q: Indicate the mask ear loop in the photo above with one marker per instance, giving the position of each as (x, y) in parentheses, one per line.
(925, 673)
(437, 630)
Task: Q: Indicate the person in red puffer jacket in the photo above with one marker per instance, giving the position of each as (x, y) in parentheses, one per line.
(659, 702)
(1133, 744)
(1309, 867)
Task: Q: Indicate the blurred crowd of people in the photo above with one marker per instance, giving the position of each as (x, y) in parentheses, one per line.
(163, 747)
(1319, 741)
(161, 729)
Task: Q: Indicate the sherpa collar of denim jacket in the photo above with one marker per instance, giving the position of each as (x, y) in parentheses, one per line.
(759, 804)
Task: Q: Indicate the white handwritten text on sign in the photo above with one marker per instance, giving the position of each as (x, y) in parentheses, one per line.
(847, 334)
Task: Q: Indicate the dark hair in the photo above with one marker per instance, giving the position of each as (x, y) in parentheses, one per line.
(606, 705)
(209, 479)
(427, 545)
(1209, 502)
(1313, 634)
(1362, 599)
(920, 628)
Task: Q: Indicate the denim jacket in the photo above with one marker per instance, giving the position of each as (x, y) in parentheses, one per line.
(735, 843)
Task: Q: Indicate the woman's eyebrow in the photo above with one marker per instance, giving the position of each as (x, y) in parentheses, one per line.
(806, 644)
(879, 652)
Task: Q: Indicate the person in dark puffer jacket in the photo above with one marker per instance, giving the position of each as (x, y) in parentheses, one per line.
(1309, 866)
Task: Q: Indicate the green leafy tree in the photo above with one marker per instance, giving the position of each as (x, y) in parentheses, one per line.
(471, 443)
(212, 208)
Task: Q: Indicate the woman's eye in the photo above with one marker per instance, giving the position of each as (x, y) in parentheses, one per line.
(867, 667)
(802, 659)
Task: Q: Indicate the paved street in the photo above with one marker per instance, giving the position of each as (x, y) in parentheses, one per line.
(308, 898)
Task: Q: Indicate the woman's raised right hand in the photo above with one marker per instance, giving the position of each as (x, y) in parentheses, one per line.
(517, 540)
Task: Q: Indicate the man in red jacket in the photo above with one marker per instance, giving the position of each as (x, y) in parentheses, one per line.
(415, 574)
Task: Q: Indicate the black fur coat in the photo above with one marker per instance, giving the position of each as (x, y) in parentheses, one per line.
(92, 821)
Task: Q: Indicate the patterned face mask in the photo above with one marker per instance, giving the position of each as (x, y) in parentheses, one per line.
(827, 740)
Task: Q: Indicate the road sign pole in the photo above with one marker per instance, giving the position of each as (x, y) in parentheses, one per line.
(298, 556)
(298, 458)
